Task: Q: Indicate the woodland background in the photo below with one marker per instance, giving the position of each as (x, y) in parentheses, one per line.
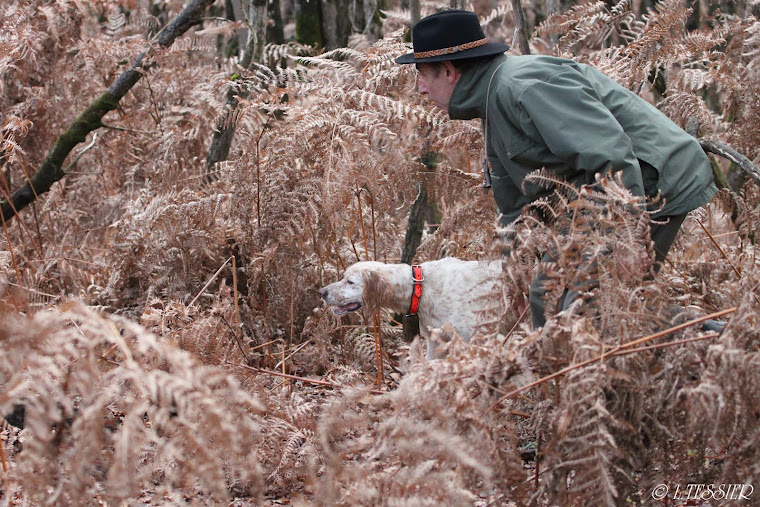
(162, 339)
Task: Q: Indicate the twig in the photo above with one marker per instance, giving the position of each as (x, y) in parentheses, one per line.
(374, 229)
(79, 155)
(258, 171)
(538, 461)
(378, 350)
(2, 457)
(519, 319)
(216, 18)
(613, 352)
(668, 344)
(673, 329)
(235, 337)
(155, 114)
(125, 129)
(235, 294)
(738, 272)
(294, 377)
(283, 357)
(361, 222)
(209, 282)
(294, 352)
(107, 352)
(33, 291)
(264, 344)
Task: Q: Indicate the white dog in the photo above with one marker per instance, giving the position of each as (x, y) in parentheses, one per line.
(453, 290)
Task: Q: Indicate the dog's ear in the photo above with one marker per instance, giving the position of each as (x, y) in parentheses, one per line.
(377, 290)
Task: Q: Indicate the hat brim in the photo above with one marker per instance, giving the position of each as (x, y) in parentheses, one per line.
(491, 48)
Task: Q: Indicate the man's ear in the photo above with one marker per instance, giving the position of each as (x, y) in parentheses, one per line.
(450, 71)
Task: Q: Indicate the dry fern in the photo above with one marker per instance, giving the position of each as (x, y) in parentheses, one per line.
(328, 153)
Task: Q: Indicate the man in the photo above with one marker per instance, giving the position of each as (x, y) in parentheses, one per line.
(546, 112)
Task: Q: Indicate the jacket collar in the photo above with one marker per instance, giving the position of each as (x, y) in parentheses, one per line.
(469, 98)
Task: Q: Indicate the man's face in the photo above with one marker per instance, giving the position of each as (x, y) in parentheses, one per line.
(437, 81)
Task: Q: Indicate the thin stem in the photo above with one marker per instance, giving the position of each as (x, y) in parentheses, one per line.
(737, 271)
(361, 222)
(294, 377)
(374, 229)
(209, 282)
(79, 155)
(519, 319)
(296, 350)
(378, 349)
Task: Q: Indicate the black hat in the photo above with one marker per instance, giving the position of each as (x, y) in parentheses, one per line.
(449, 35)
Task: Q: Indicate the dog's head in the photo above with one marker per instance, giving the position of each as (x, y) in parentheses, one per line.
(363, 284)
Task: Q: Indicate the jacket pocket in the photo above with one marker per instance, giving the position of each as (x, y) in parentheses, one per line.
(518, 146)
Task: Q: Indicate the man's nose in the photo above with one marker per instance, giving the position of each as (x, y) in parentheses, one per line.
(421, 86)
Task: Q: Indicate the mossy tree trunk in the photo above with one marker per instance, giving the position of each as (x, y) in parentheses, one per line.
(91, 119)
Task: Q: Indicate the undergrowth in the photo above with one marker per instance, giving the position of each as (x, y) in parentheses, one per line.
(161, 330)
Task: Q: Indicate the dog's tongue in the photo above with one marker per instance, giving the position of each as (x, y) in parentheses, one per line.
(342, 310)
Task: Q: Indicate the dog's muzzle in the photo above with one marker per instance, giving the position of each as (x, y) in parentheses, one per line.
(338, 310)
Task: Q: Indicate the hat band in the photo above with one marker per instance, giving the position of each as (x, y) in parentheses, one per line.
(451, 50)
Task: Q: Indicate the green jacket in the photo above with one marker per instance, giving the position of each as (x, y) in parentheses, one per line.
(576, 122)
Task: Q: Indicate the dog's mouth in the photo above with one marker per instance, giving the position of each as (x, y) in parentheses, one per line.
(350, 307)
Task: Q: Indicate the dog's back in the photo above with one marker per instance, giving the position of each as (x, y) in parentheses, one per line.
(458, 292)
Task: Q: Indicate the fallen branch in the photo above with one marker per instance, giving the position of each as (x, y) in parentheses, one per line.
(51, 169)
(734, 156)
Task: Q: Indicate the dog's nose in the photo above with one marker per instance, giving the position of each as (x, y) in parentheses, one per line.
(323, 292)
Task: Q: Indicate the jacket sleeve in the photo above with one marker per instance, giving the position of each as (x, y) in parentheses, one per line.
(510, 201)
(566, 113)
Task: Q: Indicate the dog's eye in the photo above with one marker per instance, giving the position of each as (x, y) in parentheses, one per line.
(349, 282)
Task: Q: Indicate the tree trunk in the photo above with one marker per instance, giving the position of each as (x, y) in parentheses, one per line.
(51, 169)
(414, 11)
(521, 30)
(366, 18)
(221, 142)
(336, 23)
(257, 32)
(309, 22)
(275, 29)
(416, 223)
